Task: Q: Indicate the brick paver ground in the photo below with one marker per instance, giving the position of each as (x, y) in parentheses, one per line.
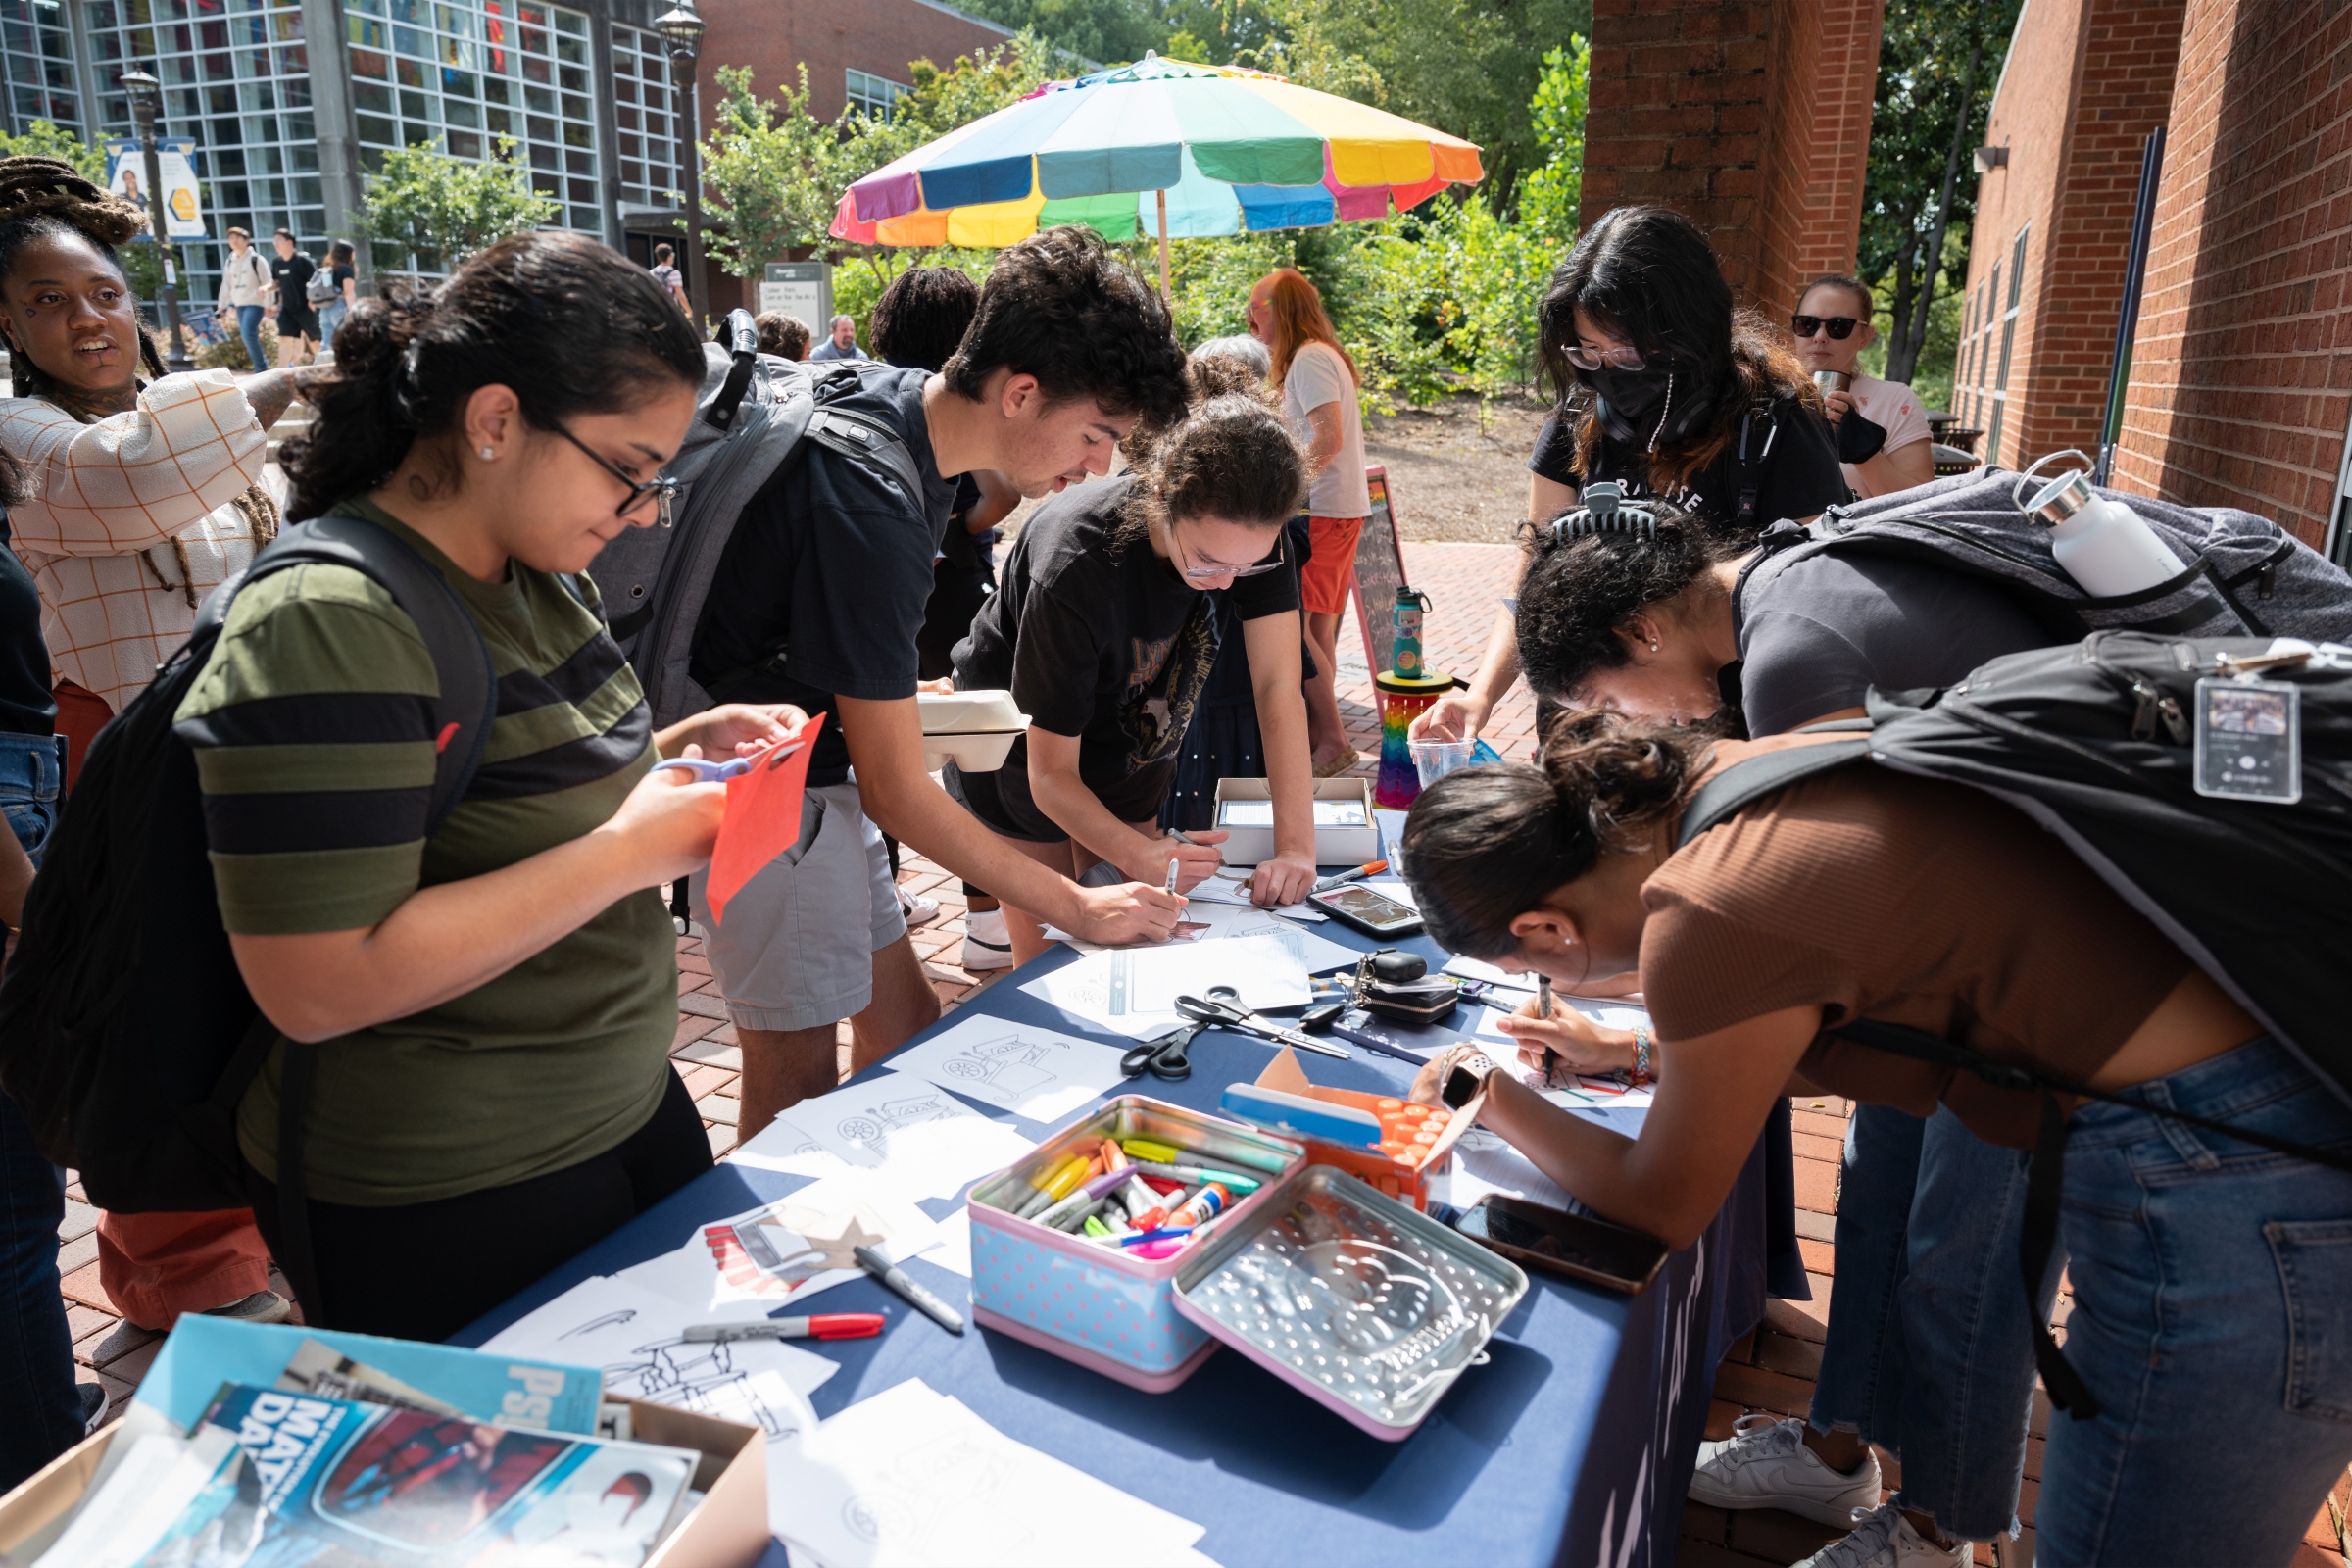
(1771, 1370)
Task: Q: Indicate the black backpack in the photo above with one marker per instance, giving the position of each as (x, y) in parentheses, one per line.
(127, 1034)
(2092, 741)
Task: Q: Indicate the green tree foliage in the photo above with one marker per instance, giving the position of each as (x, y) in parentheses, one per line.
(430, 210)
(1938, 62)
(43, 139)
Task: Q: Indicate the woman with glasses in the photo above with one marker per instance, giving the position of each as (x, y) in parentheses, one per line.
(494, 997)
(1665, 389)
(1882, 432)
(1105, 627)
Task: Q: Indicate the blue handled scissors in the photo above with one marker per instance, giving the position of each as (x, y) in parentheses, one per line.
(707, 771)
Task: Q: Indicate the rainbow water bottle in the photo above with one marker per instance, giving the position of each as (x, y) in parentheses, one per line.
(1405, 625)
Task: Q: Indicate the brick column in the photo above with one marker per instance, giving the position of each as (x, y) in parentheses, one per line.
(2242, 379)
(1751, 120)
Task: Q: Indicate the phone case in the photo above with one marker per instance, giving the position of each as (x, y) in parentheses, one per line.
(1568, 1268)
(1403, 928)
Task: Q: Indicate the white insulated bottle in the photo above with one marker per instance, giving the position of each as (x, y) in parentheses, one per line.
(2103, 544)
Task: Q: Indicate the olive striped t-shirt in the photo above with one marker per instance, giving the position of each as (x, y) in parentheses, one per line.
(313, 730)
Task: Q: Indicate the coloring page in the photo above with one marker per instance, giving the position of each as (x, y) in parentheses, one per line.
(1032, 1072)
(785, 1144)
(914, 1137)
(1133, 991)
(795, 1246)
(638, 1339)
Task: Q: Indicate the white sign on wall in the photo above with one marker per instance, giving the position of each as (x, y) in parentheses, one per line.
(799, 288)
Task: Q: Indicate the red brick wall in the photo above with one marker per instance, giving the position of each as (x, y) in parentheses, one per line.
(775, 37)
(1753, 120)
(2244, 360)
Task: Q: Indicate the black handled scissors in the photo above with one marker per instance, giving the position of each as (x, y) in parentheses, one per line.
(1166, 1057)
(1222, 1010)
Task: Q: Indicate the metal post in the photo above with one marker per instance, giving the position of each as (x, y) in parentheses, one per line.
(146, 97)
(1165, 295)
(698, 269)
(681, 30)
(2126, 320)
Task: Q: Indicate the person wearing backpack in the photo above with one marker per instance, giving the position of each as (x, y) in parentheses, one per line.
(290, 278)
(493, 999)
(244, 292)
(1669, 391)
(333, 291)
(817, 599)
(142, 500)
(2210, 1276)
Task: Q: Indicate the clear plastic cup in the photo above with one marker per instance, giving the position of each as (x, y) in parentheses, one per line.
(1434, 760)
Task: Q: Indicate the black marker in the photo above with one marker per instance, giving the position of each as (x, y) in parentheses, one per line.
(896, 1278)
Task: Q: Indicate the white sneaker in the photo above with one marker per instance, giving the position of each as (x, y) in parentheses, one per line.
(1884, 1539)
(1765, 1464)
(987, 945)
(918, 910)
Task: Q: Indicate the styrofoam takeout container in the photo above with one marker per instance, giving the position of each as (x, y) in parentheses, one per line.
(975, 730)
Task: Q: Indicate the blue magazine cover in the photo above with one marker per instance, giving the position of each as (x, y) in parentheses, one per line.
(318, 1483)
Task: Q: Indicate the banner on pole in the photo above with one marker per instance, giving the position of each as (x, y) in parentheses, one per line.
(128, 175)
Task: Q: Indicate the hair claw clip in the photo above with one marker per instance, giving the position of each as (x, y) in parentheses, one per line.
(1606, 511)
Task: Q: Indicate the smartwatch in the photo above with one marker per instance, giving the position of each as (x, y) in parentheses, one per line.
(1466, 1081)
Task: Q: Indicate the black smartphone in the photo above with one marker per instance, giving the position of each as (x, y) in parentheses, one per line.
(1557, 1241)
(1370, 913)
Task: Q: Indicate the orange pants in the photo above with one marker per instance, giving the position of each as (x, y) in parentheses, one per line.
(156, 1266)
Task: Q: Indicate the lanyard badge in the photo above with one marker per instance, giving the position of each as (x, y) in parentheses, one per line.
(2249, 738)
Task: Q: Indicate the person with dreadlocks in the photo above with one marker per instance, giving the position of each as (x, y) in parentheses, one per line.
(140, 499)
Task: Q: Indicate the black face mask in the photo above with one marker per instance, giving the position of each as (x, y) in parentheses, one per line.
(1649, 406)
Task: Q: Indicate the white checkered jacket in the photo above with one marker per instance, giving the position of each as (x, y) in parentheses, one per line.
(107, 501)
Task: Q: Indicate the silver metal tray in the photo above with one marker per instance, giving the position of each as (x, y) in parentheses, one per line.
(1368, 1305)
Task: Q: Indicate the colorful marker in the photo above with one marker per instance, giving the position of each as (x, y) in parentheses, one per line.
(1195, 1175)
(1096, 1227)
(817, 1326)
(1152, 1149)
(1168, 1234)
(1067, 1176)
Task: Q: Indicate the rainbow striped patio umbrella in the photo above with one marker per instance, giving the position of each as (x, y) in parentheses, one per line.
(1161, 146)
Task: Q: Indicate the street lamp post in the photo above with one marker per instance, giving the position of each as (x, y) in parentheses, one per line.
(681, 29)
(146, 102)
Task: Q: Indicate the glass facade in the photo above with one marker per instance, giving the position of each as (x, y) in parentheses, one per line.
(236, 77)
(36, 65)
(645, 110)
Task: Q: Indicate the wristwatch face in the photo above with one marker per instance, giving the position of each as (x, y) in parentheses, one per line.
(1461, 1087)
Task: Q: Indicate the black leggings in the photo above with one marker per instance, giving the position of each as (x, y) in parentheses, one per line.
(422, 1271)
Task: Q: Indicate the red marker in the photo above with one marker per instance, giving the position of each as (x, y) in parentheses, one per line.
(820, 1326)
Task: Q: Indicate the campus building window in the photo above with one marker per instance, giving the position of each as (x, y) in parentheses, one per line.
(36, 65)
(2000, 380)
(463, 74)
(874, 94)
(645, 107)
(236, 79)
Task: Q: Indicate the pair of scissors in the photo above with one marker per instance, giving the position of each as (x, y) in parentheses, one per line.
(707, 771)
(1166, 1057)
(1222, 1009)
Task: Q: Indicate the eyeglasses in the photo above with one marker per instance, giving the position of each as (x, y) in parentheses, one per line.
(1839, 327)
(1585, 359)
(661, 488)
(1275, 562)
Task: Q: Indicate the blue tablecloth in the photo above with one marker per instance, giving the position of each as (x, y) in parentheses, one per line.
(1578, 1435)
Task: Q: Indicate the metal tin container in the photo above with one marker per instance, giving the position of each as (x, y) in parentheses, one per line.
(1105, 1307)
(1366, 1304)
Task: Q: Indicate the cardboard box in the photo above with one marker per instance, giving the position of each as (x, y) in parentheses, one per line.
(1401, 1166)
(1334, 846)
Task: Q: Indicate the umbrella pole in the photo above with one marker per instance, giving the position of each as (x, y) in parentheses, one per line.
(1163, 246)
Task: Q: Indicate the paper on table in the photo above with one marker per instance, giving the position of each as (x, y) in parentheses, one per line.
(912, 1477)
(763, 816)
(1211, 922)
(1484, 1163)
(1590, 1090)
(1035, 1074)
(785, 1144)
(913, 1137)
(1480, 969)
(1224, 890)
(1134, 992)
(795, 1246)
(1394, 888)
(639, 1340)
(1315, 954)
(953, 1250)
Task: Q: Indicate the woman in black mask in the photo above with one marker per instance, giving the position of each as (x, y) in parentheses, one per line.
(1668, 391)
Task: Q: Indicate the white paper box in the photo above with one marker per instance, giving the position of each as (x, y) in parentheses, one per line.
(1334, 846)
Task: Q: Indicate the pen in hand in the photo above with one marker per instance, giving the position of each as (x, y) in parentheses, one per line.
(1171, 873)
(1544, 1011)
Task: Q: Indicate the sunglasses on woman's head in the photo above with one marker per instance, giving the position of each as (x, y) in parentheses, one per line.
(1839, 327)
(1585, 359)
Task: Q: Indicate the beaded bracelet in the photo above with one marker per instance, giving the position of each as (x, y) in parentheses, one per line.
(1642, 1073)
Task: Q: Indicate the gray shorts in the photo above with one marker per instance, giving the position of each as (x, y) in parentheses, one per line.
(790, 954)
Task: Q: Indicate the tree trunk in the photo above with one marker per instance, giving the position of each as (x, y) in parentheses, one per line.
(1909, 343)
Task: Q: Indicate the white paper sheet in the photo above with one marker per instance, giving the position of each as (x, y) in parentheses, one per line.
(792, 1248)
(911, 1477)
(1480, 969)
(953, 1250)
(911, 1135)
(1134, 992)
(1587, 1093)
(638, 1338)
(1315, 954)
(1394, 888)
(786, 1144)
(1224, 890)
(1035, 1074)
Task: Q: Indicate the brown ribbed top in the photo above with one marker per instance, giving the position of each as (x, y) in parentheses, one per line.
(1912, 900)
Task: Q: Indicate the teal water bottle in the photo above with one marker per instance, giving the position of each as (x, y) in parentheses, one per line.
(1405, 626)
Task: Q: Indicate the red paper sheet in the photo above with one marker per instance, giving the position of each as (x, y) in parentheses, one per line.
(763, 816)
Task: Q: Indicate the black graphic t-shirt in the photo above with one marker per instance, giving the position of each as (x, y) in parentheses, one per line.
(1104, 641)
(1797, 476)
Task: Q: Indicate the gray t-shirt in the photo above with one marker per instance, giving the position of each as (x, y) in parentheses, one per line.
(1815, 636)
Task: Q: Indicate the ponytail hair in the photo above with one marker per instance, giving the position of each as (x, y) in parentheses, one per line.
(1485, 845)
(565, 321)
(48, 198)
(1577, 590)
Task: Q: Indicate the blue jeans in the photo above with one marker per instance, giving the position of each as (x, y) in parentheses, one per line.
(330, 317)
(249, 328)
(43, 1413)
(2212, 1321)
(1931, 1351)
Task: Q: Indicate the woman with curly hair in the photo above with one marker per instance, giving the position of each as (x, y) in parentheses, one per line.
(1667, 390)
(141, 499)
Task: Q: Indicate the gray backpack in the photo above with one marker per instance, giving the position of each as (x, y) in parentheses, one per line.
(2240, 574)
(756, 413)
